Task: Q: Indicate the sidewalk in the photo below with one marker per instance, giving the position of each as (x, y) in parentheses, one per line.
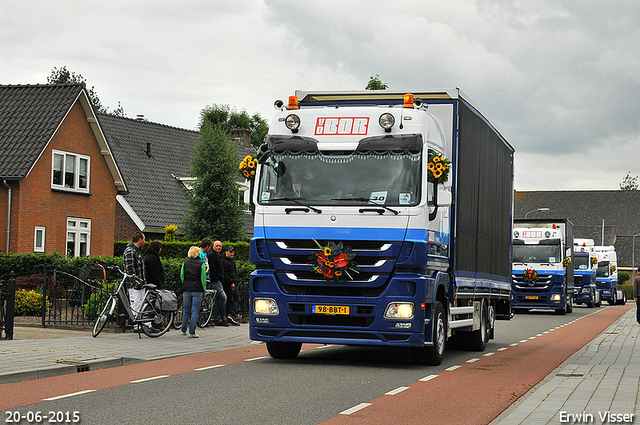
(598, 384)
(25, 359)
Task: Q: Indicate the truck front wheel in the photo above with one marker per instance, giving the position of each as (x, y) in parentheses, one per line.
(434, 354)
(283, 350)
(614, 297)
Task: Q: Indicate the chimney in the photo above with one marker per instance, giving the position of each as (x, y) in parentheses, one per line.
(140, 117)
(149, 150)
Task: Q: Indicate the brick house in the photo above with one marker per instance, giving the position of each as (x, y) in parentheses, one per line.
(58, 177)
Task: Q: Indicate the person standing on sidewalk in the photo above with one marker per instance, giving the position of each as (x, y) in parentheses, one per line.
(217, 277)
(636, 293)
(133, 263)
(194, 283)
(230, 280)
(153, 269)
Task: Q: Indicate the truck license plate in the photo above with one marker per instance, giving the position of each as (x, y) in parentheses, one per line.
(531, 297)
(330, 309)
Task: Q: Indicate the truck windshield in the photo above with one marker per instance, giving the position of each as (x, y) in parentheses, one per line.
(580, 262)
(341, 178)
(537, 254)
(603, 269)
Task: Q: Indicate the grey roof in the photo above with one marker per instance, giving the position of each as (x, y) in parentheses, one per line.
(29, 117)
(620, 210)
(155, 195)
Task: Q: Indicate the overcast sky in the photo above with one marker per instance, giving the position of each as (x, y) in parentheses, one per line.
(561, 80)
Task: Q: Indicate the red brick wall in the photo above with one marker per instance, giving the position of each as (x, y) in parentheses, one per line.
(35, 204)
(125, 227)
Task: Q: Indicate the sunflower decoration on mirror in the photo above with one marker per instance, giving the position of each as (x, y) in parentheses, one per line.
(438, 168)
(530, 276)
(247, 167)
(594, 260)
(566, 261)
(335, 262)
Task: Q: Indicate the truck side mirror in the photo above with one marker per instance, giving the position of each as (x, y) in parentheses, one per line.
(444, 198)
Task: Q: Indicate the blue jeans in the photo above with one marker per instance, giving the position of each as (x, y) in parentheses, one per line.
(192, 302)
(220, 306)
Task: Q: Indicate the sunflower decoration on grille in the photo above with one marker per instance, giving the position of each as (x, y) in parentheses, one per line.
(438, 168)
(594, 260)
(530, 276)
(247, 167)
(566, 261)
(334, 261)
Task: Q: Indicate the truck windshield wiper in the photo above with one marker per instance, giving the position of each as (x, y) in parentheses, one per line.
(367, 201)
(297, 201)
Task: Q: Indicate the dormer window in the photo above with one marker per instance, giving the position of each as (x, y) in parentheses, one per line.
(70, 172)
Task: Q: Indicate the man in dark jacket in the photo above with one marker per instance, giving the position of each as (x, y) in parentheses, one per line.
(230, 280)
(133, 263)
(217, 277)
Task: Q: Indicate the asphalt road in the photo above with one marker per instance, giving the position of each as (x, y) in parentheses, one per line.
(245, 386)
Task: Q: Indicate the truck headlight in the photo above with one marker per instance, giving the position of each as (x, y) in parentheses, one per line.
(292, 122)
(555, 297)
(267, 306)
(399, 311)
(585, 290)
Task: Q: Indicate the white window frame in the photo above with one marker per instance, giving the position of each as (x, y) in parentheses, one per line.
(39, 247)
(75, 160)
(78, 232)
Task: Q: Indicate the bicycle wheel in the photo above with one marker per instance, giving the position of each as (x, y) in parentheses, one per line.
(177, 317)
(155, 323)
(103, 318)
(206, 311)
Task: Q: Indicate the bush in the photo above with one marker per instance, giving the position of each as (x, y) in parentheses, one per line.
(28, 303)
(623, 277)
(97, 300)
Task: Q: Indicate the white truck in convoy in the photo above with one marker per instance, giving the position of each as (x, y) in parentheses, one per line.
(585, 265)
(542, 269)
(381, 218)
(607, 276)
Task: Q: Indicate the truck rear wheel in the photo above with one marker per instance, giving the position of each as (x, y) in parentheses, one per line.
(477, 340)
(283, 350)
(623, 299)
(614, 297)
(434, 354)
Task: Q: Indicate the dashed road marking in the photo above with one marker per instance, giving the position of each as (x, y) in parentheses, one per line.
(68, 395)
(355, 408)
(149, 379)
(397, 391)
(427, 378)
(209, 367)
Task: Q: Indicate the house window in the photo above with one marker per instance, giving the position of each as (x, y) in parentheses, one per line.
(38, 239)
(70, 172)
(78, 237)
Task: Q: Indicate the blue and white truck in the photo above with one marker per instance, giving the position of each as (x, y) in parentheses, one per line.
(381, 218)
(607, 275)
(585, 265)
(542, 270)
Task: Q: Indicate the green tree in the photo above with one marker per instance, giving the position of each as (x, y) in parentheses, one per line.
(230, 119)
(376, 84)
(64, 76)
(629, 182)
(214, 207)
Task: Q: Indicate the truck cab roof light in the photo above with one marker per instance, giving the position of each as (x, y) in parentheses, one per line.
(293, 102)
(292, 122)
(408, 101)
(386, 121)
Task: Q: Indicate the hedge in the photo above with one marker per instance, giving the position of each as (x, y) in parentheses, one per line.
(28, 268)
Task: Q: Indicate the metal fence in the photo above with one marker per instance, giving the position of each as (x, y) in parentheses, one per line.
(7, 306)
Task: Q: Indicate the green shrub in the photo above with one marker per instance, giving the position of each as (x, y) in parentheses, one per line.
(97, 300)
(28, 303)
(623, 277)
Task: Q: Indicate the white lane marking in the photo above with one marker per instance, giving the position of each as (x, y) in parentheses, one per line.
(428, 378)
(209, 367)
(68, 395)
(355, 408)
(256, 358)
(488, 354)
(513, 345)
(149, 379)
(397, 391)
(453, 367)
(502, 348)
(472, 360)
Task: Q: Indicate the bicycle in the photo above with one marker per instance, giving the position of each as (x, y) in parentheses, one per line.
(152, 321)
(204, 314)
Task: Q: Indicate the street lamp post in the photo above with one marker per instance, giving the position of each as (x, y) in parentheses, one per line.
(537, 210)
